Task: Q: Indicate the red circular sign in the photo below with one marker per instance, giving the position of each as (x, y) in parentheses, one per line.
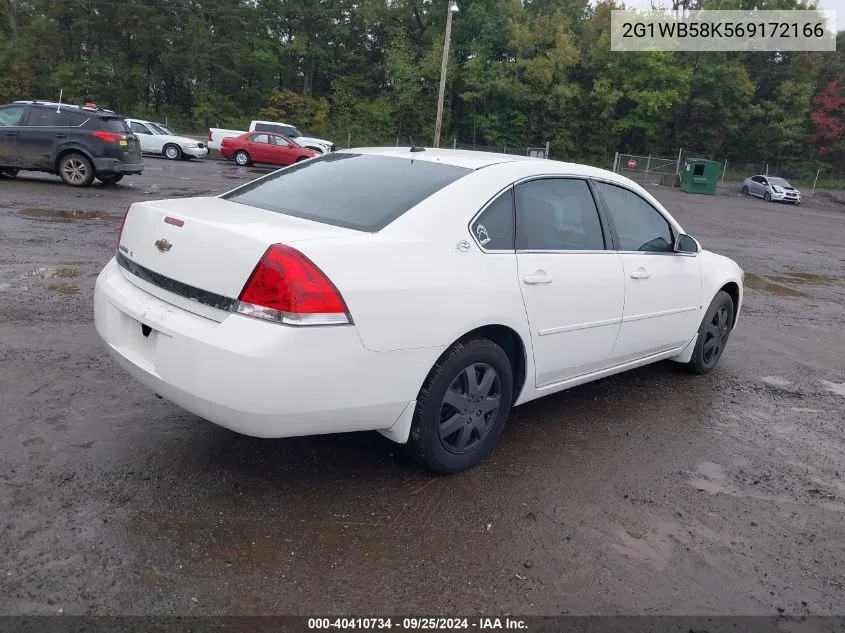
(632, 163)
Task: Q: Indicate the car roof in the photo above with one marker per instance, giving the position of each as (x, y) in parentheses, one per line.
(56, 104)
(470, 159)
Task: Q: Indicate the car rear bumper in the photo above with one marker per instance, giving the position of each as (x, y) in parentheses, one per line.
(116, 166)
(256, 378)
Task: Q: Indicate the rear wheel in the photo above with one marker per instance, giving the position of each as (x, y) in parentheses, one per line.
(242, 158)
(10, 172)
(76, 170)
(713, 334)
(744, 190)
(110, 179)
(462, 407)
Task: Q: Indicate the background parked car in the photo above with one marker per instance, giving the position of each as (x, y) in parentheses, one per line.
(159, 140)
(264, 147)
(771, 188)
(216, 136)
(77, 143)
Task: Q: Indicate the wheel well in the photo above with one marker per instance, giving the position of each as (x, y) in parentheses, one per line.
(733, 290)
(70, 150)
(511, 343)
(166, 145)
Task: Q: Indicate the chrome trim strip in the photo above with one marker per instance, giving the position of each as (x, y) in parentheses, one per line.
(578, 326)
(651, 315)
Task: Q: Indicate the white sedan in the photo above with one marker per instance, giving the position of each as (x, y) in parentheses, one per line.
(420, 294)
(158, 139)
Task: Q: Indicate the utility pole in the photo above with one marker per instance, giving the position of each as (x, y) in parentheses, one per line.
(453, 8)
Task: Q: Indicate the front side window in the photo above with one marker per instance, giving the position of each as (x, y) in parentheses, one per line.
(493, 230)
(639, 225)
(278, 140)
(10, 116)
(557, 214)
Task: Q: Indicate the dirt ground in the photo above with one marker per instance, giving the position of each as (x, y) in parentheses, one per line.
(653, 492)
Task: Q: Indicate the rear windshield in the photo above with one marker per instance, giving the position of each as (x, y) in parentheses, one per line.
(108, 124)
(356, 191)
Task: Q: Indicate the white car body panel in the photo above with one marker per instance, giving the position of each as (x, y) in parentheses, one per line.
(271, 380)
(153, 143)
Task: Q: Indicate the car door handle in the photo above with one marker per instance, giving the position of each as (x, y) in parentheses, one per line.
(642, 273)
(537, 279)
(61, 135)
(11, 133)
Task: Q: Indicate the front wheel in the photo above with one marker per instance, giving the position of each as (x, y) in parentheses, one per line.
(301, 159)
(713, 334)
(767, 197)
(76, 170)
(242, 158)
(172, 152)
(462, 407)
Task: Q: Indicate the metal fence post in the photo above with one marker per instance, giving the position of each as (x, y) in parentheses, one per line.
(349, 140)
(678, 167)
(547, 149)
(645, 174)
(616, 163)
(767, 169)
(815, 181)
(455, 142)
(724, 171)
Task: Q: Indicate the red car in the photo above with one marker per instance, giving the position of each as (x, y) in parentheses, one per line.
(264, 147)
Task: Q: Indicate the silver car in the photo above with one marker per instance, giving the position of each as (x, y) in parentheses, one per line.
(771, 188)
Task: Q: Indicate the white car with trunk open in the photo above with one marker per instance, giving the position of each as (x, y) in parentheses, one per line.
(418, 293)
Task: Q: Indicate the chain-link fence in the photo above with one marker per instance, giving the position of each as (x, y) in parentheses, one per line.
(648, 170)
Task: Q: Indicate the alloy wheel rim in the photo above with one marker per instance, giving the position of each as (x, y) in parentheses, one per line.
(469, 408)
(240, 159)
(715, 336)
(75, 170)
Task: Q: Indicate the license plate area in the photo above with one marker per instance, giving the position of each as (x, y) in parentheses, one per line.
(139, 340)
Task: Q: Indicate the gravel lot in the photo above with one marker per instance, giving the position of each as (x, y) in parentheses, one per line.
(653, 492)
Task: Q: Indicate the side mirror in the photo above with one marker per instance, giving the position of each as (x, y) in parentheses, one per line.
(687, 244)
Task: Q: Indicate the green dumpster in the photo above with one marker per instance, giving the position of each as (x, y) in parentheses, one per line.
(700, 176)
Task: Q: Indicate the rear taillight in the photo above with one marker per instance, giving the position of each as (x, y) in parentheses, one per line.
(287, 287)
(209, 136)
(122, 224)
(109, 137)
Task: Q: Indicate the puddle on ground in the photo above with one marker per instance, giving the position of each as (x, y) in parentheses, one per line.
(67, 273)
(60, 215)
(836, 387)
(776, 381)
(807, 278)
(761, 283)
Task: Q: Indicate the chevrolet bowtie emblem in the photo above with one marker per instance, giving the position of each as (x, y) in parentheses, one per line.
(163, 245)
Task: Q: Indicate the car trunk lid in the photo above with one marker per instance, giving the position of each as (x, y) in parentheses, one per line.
(198, 253)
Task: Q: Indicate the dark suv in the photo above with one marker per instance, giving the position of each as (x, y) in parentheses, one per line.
(77, 143)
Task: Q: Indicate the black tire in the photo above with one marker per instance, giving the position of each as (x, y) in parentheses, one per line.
(111, 179)
(242, 158)
(449, 438)
(767, 197)
(744, 190)
(11, 172)
(716, 326)
(76, 170)
(172, 152)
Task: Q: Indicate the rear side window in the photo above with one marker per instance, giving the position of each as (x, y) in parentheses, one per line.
(357, 191)
(108, 124)
(557, 214)
(494, 228)
(74, 119)
(44, 117)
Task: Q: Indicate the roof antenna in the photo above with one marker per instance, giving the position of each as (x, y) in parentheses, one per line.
(59, 107)
(414, 147)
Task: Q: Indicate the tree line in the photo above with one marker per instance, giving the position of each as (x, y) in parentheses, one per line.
(521, 73)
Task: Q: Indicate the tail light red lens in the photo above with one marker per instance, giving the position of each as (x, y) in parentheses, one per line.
(209, 136)
(109, 137)
(287, 287)
(122, 224)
